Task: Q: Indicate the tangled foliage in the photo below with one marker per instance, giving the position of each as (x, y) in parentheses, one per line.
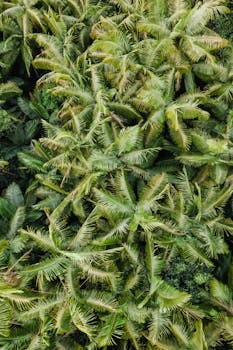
(116, 178)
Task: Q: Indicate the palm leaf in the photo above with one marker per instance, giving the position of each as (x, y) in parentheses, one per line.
(41, 239)
(113, 203)
(102, 301)
(50, 268)
(204, 13)
(170, 298)
(83, 320)
(16, 221)
(112, 329)
(5, 318)
(9, 90)
(158, 327)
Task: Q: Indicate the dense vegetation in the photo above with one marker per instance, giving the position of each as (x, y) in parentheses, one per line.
(116, 179)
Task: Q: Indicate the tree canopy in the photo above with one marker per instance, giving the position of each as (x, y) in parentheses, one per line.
(116, 179)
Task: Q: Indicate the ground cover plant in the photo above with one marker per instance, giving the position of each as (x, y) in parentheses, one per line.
(116, 179)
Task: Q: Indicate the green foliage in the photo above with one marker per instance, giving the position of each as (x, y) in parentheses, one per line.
(6, 120)
(223, 25)
(116, 175)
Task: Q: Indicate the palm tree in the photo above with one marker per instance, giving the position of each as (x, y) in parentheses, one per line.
(18, 19)
(120, 235)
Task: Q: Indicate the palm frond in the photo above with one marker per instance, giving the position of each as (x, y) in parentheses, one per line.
(220, 292)
(158, 327)
(102, 301)
(170, 298)
(41, 239)
(114, 203)
(83, 320)
(205, 12)
(16, 222)
(112, 329)
(51, 268)
(14, 195)
(5, 318)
